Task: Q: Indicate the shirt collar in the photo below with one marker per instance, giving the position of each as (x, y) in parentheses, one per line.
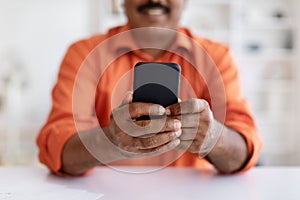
(127, 43)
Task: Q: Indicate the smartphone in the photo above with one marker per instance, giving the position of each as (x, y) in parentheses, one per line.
(156, 82)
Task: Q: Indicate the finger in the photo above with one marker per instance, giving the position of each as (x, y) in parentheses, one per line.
(139, 109)
(123, 118)
(190, 146)
(187, 107)
(188, 134)
(131, 152)
(161, 149)
(184, 145)
(159, 125)
(190, 120)
(128, 98)
(156, 140)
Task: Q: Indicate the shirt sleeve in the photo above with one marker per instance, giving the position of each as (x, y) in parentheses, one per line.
(238, 112)
(61, 125)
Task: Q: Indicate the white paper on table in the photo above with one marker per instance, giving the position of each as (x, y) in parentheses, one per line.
(46, 192)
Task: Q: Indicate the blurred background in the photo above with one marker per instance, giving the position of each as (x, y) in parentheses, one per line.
(263, 36)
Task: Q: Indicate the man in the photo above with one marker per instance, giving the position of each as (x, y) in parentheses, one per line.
(90, 126)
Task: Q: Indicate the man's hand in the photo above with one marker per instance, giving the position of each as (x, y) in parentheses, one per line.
(142, 138)
(204, 135)
(198, 134)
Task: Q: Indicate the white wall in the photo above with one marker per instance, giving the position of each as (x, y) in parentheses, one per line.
(297, 90)
(34, 35)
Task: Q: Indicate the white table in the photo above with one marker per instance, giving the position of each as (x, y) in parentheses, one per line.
(169, 183)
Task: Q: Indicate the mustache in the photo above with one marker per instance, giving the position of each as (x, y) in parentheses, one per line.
(151, 4)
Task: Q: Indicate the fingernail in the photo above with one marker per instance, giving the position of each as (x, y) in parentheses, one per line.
(157, 110)
(162, 110)
(168, 111)
(177, 124)
(178, 133)
(177, 142)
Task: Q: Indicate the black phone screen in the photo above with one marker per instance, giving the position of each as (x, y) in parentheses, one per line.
(156, 82)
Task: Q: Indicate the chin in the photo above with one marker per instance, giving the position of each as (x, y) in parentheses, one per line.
(154, 24)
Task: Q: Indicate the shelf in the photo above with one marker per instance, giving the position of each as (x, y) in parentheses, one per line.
(210, 2)
(268, 2)
(263, 55)
(269, 27)
(221, 35)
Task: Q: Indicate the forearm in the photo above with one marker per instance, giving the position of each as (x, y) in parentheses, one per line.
(230, 152)
(86, 150)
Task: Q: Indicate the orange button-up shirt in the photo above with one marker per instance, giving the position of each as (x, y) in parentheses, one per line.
(96, 73)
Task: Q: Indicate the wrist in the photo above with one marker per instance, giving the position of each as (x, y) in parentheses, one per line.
(213, 140)
(229, 153)
(107, 151)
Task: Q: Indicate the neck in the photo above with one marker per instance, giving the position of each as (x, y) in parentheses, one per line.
(154, 41)
(154, 53)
